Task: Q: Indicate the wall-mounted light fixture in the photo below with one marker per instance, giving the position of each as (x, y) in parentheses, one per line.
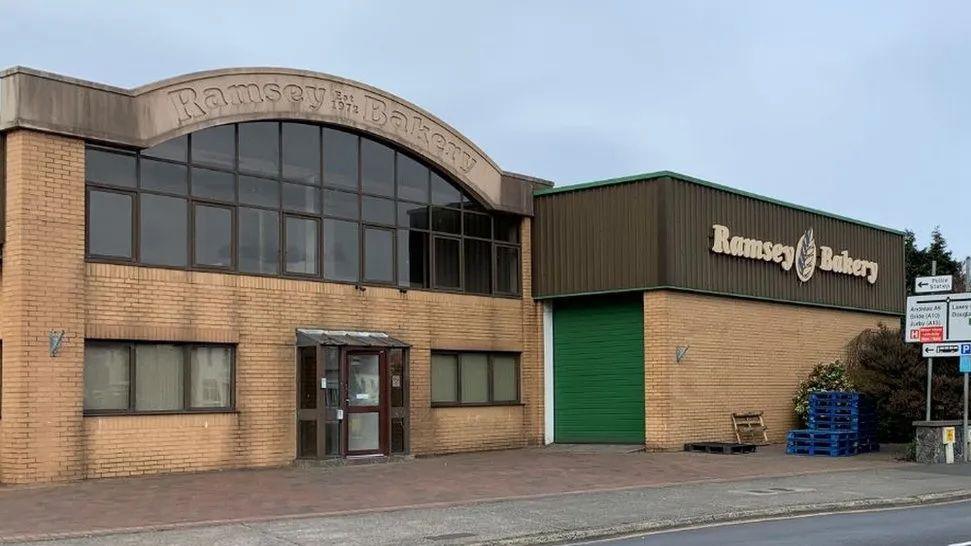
(679, 352)
(54, 338)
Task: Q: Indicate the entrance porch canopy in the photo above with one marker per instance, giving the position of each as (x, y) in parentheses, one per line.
(310, 337)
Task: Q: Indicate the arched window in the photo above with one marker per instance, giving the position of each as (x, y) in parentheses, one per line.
(296, 200)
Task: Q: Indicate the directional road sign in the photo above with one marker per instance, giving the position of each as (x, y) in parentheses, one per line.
(937, 283)
(947, 349)
(938, 318)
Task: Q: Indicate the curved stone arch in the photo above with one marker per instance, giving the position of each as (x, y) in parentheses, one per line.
(185, 104)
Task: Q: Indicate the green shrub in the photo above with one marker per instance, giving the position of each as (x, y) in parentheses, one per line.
(826, 376)
(894, 376)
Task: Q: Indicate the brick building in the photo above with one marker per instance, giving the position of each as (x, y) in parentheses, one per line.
(244, 267)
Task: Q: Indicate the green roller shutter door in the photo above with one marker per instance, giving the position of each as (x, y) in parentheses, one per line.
(598, 370)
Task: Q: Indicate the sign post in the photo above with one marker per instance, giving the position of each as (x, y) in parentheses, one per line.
(930, 360)
(965, 367)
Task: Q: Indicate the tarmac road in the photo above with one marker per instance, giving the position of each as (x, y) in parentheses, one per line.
(943, 525)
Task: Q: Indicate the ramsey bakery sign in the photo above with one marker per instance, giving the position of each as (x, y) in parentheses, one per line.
(805, 257)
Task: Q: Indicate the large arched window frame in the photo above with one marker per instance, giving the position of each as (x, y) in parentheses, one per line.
(296, 200)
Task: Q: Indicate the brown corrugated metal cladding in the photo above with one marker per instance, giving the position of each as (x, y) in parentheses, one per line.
(658, 233)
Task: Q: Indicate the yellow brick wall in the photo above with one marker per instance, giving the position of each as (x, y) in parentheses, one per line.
(42, 284)
(743, 355)
(43, 396)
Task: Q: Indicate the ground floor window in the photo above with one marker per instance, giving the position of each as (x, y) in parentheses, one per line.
(474, 378)
(139, 377)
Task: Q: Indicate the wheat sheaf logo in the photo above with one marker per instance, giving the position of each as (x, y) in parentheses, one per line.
(806, 256)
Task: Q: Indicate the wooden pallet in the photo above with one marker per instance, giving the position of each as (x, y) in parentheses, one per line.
(725, 448)
(750, 428)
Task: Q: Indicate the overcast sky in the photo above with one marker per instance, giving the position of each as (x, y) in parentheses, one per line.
(858, 108)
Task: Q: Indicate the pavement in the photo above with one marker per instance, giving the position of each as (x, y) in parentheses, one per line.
(512, 497)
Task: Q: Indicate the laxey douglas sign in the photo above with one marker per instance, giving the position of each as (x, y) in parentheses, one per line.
(805, 257)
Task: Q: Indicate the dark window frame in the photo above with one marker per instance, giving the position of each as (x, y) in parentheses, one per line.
(233, 228)
(463, 206)
(133, 195)
(318, 257)
(490, 382)
(186, 378)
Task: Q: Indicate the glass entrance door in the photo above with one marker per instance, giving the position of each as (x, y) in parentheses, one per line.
(365, 403)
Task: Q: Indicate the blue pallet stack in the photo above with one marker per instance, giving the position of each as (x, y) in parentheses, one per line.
(840, 424)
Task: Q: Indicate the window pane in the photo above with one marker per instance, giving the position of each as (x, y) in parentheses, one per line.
(210, 373)
(213, 184)
(158, 377)
(469, 203)
(446, 220)
(377, 210)
(301, 152)
(163, 230)
(109, 224)
(507, 229)
(444, 378)
(377, 168)
(507, 270)
(444, 193)
(259, 240)
(341, 203)
(106, 379)
(340, 159)
(341, 259)
(413, 216)
(259, 148)
(301, 198)
(363, 431)
(379, 255)
(412, 258)
(447, 263)
(364, 380)
(504, 378)
(259, 191)
(108, 168)
(215, 146)
(301, 255)
(477, 225)
(475, 378)
(307, 442)
(213, 236)
(162, 176)
(478, 266)
(412, 179)
(174, 149)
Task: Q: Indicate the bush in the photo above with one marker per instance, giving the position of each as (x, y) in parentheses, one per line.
(826, 376)
(894, 375)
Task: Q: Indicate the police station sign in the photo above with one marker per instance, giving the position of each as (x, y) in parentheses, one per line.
(805, 257)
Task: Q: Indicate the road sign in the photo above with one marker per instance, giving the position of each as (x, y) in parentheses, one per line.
(959, 319)
(937, 283)
(964, 364)
(946, 349)
(925, 315)
(938, 318)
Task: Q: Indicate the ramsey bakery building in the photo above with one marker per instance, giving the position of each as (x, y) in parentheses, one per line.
(245, 267)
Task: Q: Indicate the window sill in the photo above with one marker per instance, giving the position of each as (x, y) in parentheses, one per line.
(151, 413)
(436, 405)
